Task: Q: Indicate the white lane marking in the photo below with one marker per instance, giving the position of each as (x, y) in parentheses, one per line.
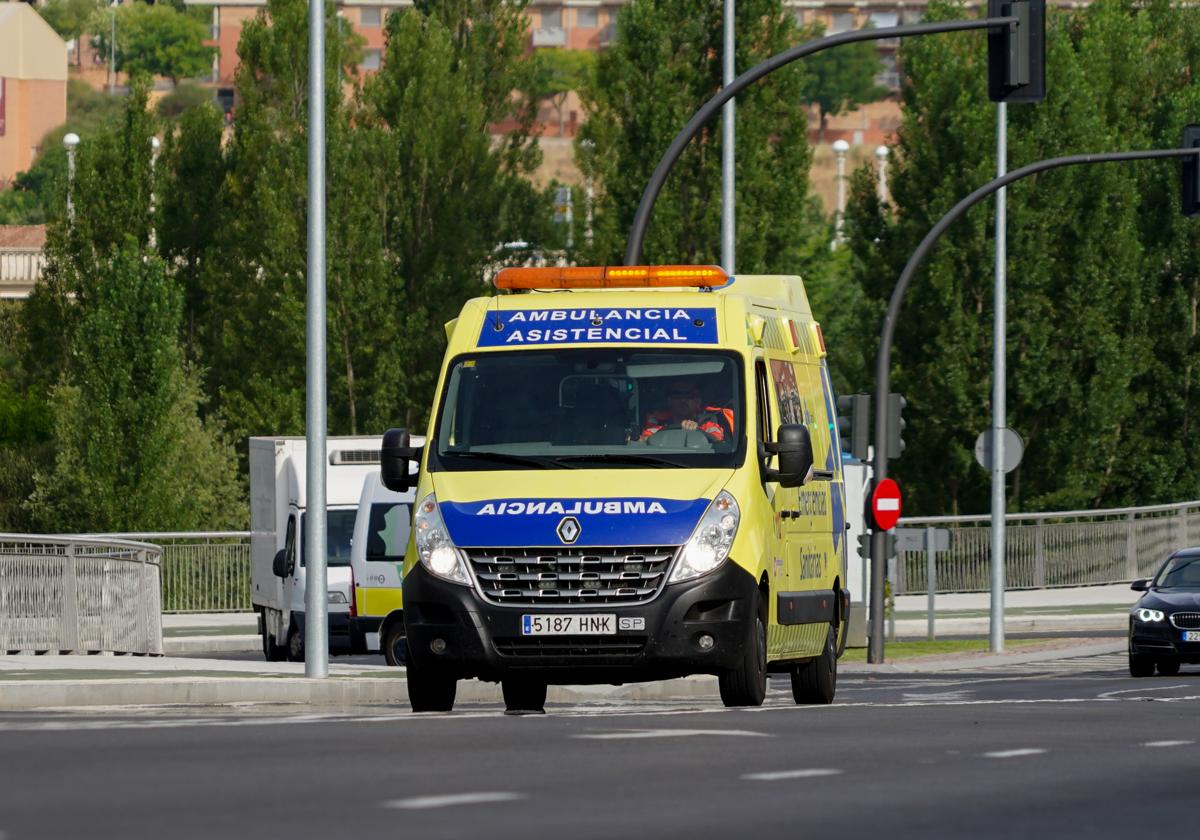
(668, 733)
(791, 774)
(1167, 743)
(1109, 694)
(938, 695)
(1013, 753)
(450, 800)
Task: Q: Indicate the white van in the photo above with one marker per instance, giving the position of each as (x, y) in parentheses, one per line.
(381, 532)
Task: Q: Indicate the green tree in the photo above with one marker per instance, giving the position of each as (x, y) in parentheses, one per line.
(558, 73)
(1103, 273)
(842, 78)
(665, 63)
(156, 40)
(70, 19)
(130, 451)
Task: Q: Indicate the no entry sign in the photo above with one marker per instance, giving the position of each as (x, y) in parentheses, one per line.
(885, 504)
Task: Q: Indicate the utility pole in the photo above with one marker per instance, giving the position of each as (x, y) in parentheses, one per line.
(999, 387)
(728, 139)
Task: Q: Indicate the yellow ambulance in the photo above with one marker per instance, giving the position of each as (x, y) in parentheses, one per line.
(630, 473)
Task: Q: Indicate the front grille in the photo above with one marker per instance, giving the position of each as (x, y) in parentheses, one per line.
(570, 575)
(1186, 620)
(595, 647)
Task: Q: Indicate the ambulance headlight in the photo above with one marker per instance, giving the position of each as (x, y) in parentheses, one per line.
(709, 545)
(434, 548)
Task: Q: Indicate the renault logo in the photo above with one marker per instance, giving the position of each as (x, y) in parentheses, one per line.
(568, 530)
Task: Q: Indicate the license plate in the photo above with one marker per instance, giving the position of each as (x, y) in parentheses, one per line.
(1191, 635)
(569, 625)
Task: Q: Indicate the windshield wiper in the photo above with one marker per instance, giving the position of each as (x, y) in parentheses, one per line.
(507, 458)
(620, 458)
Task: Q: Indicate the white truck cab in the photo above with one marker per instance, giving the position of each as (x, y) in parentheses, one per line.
(278, 510)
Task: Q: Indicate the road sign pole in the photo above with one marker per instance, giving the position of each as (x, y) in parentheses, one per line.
(930, 580)
(999, 412)
(728, 139)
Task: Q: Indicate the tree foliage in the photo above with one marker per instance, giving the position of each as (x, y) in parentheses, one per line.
(70, 18)
(155, 39)
(131, 453)
(842, 78)
(665, 63)
(1103, 273)
(558, 72)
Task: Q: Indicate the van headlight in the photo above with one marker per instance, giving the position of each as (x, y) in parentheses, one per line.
(1147, 616)
(710, 542)
(434, 548)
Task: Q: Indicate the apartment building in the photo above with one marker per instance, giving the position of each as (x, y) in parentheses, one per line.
(33, 86)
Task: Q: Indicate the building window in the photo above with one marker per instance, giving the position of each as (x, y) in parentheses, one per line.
(371, 59)
(889, 76)
(913, 15)
(370, 16)
(841, 22)
(884, 20)
(587, 18)
(551, 18)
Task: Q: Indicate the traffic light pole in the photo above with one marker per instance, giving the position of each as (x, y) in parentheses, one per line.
(641, 219)
(883, 361)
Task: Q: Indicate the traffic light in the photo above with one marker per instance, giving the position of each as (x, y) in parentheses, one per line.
(1191, 172)
(854, 424)
(896, 424)
(864, 545)
(1017, 54)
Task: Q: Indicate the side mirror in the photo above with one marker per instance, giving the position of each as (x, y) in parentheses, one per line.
(793, 445)
(279, 564)
(395, 459)
(1140, 585)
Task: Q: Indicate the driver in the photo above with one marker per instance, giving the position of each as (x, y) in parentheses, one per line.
(686, 410)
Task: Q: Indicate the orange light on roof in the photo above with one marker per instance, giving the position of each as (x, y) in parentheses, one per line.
(610, 277)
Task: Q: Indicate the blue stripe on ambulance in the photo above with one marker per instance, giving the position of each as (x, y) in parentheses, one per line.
(614, 325)
(602, 522)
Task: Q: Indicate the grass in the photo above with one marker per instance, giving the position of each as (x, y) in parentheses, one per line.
(908, 650)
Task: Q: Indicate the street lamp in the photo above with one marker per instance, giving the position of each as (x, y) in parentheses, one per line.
(589, 147)
(881, 155)
(70, 141)
(840, 147)
(112, 47)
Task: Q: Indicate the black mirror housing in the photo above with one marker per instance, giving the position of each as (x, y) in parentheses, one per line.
(395, 458)
(1140, 585)
(793, 445)
(279, 564)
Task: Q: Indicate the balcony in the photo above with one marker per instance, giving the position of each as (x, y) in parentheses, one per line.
(550, 36)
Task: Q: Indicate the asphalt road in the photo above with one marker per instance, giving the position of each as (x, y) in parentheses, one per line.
(1085, 751)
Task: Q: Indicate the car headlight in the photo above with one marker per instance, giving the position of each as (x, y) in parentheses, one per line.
(710, 542)
(434, 548)
(1147, 616)
(335, 597)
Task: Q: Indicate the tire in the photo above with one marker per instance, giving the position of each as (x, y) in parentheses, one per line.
(395, 646)
(1140, 665)
(815, 682)
(294, 649)
(523, 695)
(1168, 667)
(430, 691)
(747, 684)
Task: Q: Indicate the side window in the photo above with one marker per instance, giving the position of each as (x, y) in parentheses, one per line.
(387, 532)
(289, 544)
(763, 400)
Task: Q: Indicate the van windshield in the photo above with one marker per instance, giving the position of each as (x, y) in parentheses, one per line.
(339, 531)
(592, 409)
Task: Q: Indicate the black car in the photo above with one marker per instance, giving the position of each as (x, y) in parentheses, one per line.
(1164, 625)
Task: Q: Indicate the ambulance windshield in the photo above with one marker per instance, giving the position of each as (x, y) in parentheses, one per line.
(592, 409)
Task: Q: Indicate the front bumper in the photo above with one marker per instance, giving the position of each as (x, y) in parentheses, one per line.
(484, 640)
(1161, 640)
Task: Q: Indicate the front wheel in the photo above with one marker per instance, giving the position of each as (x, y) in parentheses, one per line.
(1140, 665)
(746, 685)
(523, 696)
(430, 690)
(814, 682)
(395, 646)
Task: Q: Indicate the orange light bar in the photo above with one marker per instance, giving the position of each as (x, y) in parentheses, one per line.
(610, 277)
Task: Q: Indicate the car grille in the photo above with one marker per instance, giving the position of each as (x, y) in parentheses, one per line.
(570, 575)
(595, 647)
(1186, 620)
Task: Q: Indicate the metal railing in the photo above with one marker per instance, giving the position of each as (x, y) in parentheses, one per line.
(79, 594)
(1068, 548)
(202, 571)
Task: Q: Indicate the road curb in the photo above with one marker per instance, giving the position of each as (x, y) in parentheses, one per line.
(332, 691)
(182, 645)
(974, 662)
